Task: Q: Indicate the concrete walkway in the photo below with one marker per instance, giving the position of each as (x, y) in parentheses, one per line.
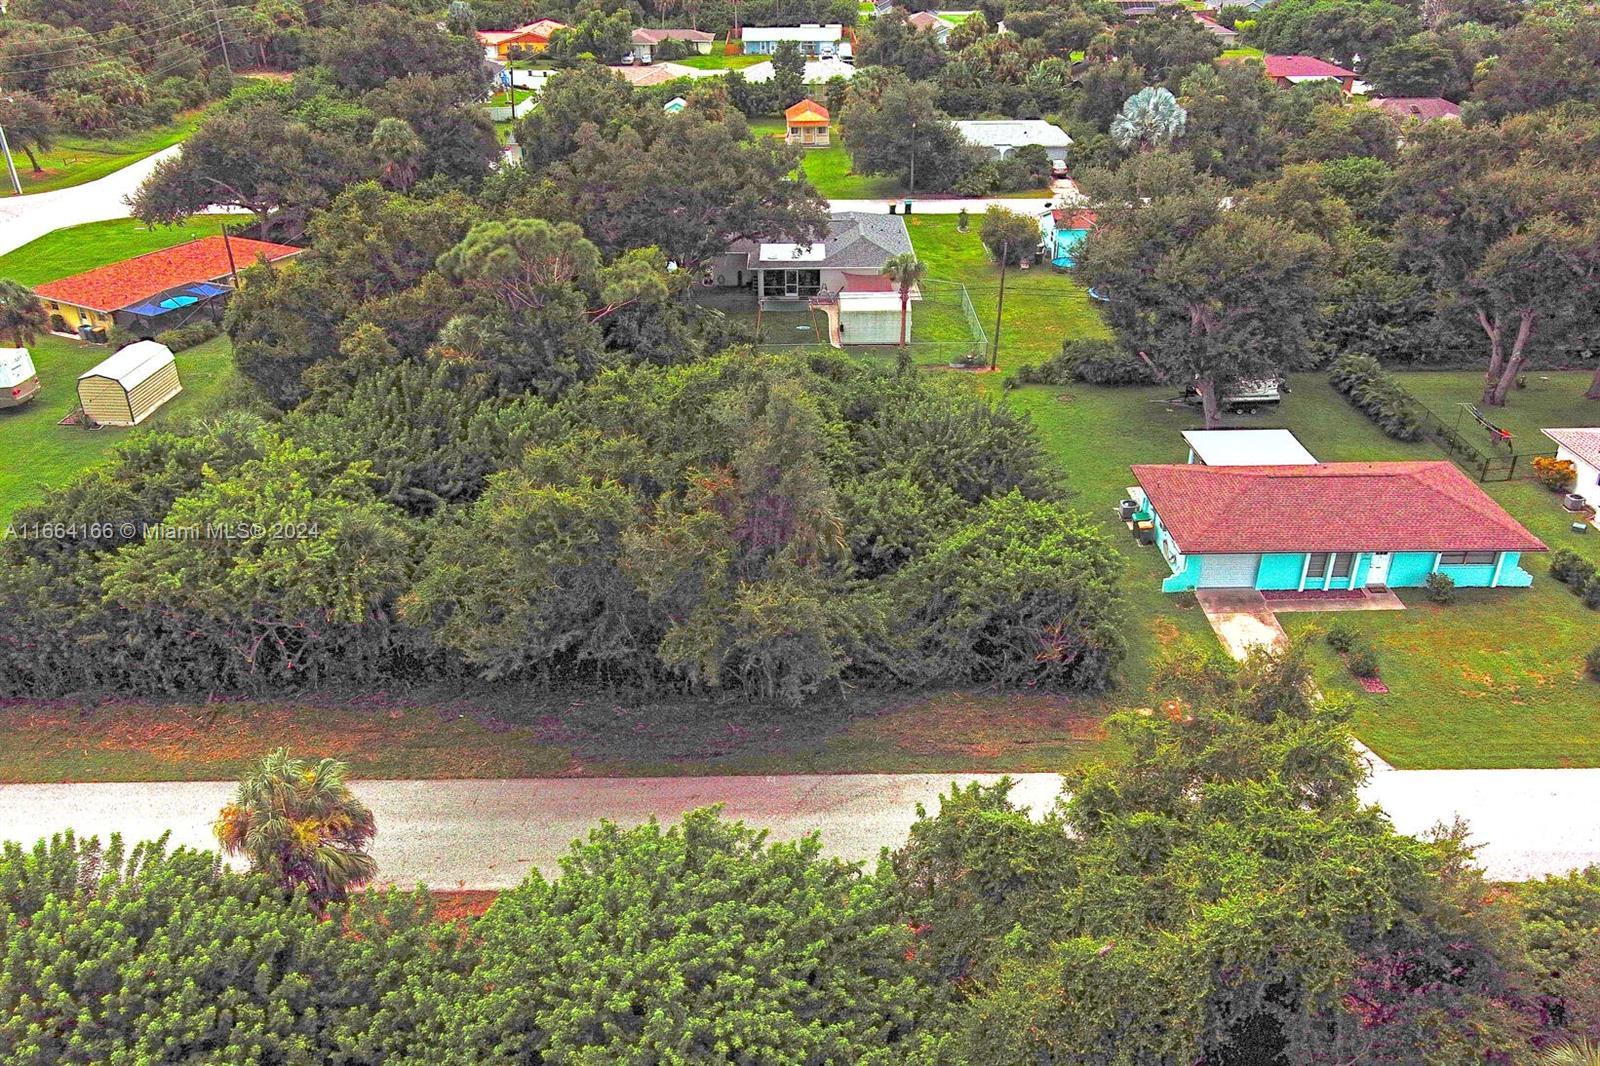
(26, 218)
(489, 834)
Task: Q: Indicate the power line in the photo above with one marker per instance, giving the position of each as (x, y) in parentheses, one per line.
(45, 69)
(85, 37)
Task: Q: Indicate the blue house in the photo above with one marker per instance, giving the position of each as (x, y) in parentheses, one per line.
(1323, 527)
(812, 39)
(1061, 230)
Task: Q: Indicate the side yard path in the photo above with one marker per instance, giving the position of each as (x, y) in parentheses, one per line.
(486, 835)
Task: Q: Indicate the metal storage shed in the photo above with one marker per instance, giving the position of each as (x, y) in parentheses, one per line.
(127, 388)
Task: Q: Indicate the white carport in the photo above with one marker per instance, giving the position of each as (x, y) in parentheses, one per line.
(1246, 447)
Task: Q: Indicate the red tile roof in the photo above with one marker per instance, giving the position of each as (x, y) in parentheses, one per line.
(539, 31)
(806, 113)
(1074, 218)
(117, 285)
(1408, 506)
(1425, 108)
(1304, 67)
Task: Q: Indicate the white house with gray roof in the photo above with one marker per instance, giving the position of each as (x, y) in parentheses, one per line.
(1580, 446)
(1000, 137)
(840, 275)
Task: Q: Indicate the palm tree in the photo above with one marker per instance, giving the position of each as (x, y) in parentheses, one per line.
(299, 824)
(22, 316)
(1150, 118)
(905, 270)
(1578, 1052)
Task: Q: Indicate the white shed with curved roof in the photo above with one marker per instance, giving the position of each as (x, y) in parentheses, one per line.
(130, 385)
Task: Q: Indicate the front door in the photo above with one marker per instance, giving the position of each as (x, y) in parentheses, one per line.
(791, 284)
(1378, 570)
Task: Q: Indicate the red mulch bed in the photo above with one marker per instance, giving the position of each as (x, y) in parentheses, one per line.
(462, 905)
(1313, 595)
(1372, 684)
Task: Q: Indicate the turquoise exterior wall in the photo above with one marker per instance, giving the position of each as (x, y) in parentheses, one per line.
(1280, 571)
(1408, 570)
(1184, 580)
(1512, 575)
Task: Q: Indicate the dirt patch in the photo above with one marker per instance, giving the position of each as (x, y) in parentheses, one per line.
(462, 905)
(985, 726)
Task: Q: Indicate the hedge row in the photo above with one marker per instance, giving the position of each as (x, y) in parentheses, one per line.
(1578, 574)
(1376, 393)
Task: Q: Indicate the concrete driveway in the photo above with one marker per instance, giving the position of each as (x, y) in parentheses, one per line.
(1241, 619)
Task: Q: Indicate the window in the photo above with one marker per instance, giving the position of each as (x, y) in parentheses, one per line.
(1467, 558)
(1342, 564)
(1317, 565)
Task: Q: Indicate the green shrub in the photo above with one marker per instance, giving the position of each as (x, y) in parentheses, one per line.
(1362, 380)
(1342, 638)
(1591, 662)
(1098, 362)
(1441, 588)
(189, 336)
(1363, 663)
(1591, 594)
(1570, 568)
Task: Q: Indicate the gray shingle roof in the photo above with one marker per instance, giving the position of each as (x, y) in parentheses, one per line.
(856, 240)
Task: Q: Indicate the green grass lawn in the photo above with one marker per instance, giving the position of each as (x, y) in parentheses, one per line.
(44, 452)
(40, 452)
(1551, 398)
(76, 159)
(79, 248)
(1242, 52)
(1042, 307)
(720, 62)
(831, 170)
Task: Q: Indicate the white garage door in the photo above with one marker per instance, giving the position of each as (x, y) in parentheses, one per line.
(872, 327)
(1229, 571)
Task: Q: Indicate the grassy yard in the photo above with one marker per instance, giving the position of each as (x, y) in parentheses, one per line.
(79, 248)
(717, 61)
(830, 169)
(506, 734)
(40, 452)
(1242, 52)
(76, 159)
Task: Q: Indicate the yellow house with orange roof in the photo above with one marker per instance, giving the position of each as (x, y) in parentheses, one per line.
(807, 124)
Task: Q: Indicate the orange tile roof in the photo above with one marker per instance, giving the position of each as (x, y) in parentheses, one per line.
(806, 113)
(118, 285)
(1398, 506)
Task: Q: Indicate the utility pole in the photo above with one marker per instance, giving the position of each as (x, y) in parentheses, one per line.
(11, 164)
(1000, 305)
(233, 268)
(913, 190)
(216, 16)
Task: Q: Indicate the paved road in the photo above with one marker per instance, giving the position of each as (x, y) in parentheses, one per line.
(1065, 193)
(25, 218)
(488, 834)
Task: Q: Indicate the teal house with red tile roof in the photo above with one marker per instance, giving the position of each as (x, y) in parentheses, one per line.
(1324, 527)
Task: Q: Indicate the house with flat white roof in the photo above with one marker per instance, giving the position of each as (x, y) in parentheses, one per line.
(813, 39)
(1000, 137)
(1246, 447)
